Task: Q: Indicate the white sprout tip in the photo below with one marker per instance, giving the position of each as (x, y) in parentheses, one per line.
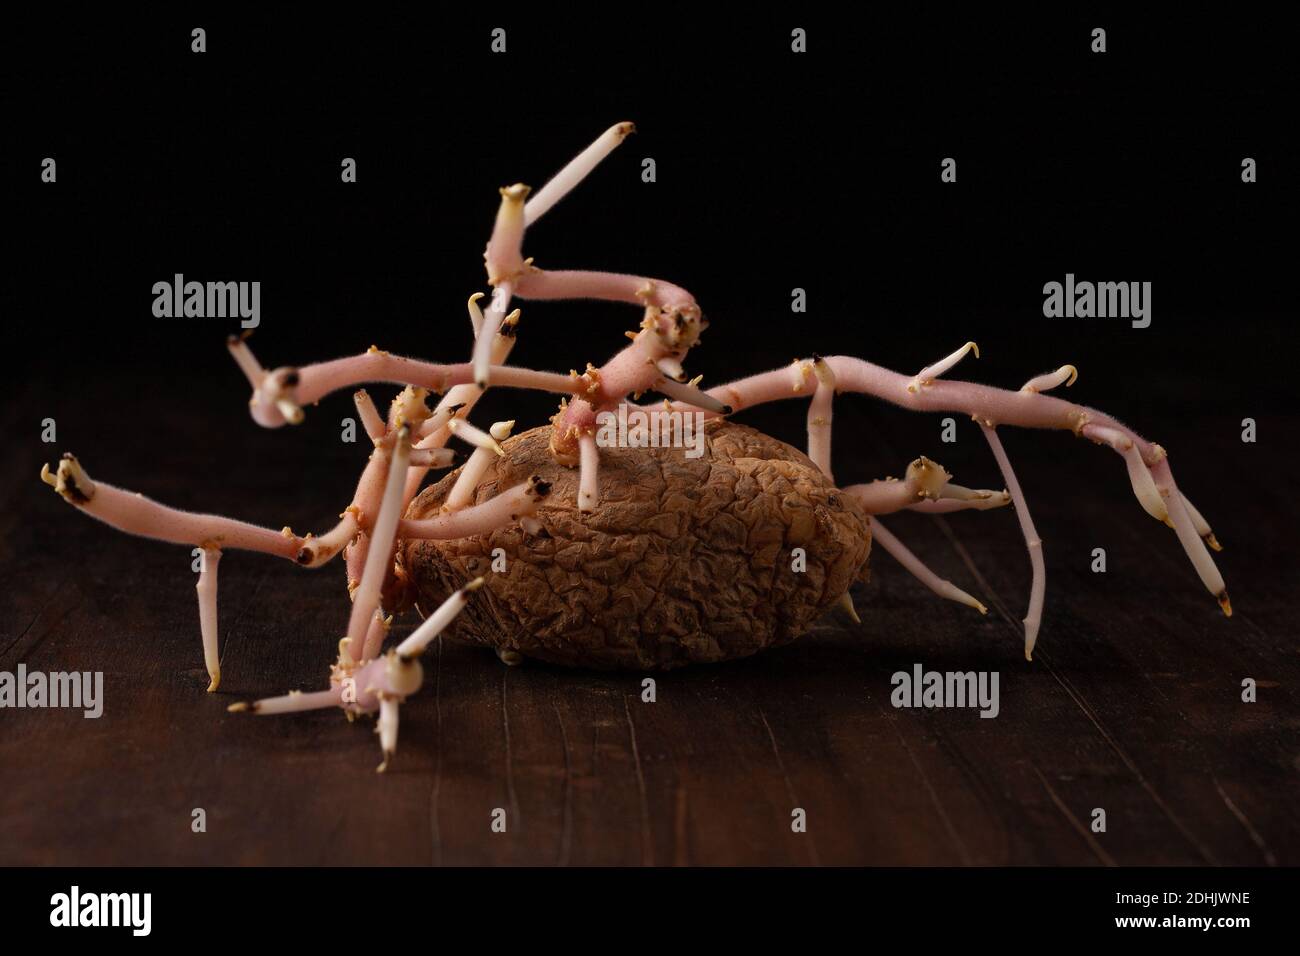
(1031, 638)
(475, 584)
(475, 313)
(846, 604)
(214, 679)
(669, 367)
(928, 374)
(955, 593)
(1225, 604)
(388, 755)
(475, 436)
(1066, 375)
(47, 477)
(291, 412)
(240, 707)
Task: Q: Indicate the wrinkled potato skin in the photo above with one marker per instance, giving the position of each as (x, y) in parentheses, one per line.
(684, 560)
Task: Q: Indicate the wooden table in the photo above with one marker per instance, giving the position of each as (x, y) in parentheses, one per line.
(1132, 704)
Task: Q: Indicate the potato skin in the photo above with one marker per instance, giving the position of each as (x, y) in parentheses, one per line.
(684, 560)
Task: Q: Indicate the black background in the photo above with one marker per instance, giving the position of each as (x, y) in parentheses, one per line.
(775, 171)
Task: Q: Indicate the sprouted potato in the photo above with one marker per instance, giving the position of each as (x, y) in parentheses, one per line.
(643, 556)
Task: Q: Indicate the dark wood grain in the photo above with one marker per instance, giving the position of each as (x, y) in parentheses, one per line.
(1132, 703)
